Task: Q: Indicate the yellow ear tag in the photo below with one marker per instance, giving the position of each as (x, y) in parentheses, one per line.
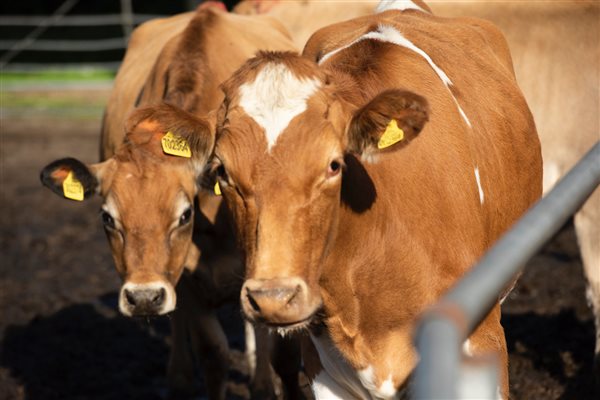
(175, 145)
(217, 189)
(72, 188)
(392, 135)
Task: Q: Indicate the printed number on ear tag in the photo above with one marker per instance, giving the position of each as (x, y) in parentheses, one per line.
(175, 145)
(393, 134)
(217, 189)
(72, 188)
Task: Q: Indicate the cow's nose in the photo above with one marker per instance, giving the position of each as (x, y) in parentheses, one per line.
(276, 301)
(146, 299)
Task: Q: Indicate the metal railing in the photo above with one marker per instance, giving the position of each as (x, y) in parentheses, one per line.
(445, 326)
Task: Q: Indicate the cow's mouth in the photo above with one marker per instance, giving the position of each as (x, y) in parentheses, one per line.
(289, 328)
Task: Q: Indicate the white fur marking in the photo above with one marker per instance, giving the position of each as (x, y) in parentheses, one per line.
(110, 206)
(467, 348)
(250, 337)
(481, 196)
(401, 5)
(275, 97)
(338, 369)
(181, 204)
(325, 388)
(387, 390)
(551, 175)
(385, 33)
(367, 378)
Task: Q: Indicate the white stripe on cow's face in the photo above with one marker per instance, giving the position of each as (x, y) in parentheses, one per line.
(275, 97)
(401, 5)
(386, 33)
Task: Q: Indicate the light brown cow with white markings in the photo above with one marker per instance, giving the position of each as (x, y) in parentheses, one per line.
(364, 184)
(556, 54)
(174, 257)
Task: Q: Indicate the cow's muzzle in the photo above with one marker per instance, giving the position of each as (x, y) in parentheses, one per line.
(278, 302)
(153, 298)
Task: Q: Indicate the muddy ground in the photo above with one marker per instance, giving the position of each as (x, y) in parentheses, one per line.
(62, 338)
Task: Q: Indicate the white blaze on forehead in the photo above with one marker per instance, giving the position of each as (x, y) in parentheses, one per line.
(386, 33)
(275, 97)
(401, 5)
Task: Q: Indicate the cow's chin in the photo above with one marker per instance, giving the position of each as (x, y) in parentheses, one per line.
(294, 327)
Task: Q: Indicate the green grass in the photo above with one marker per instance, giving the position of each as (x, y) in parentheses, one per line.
(93, 75)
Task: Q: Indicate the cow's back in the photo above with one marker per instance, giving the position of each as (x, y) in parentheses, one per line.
(183, 60)
(145, 44)
(477, 163)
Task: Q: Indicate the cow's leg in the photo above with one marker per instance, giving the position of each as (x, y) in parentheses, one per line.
(212, 352)
(208, 340)
(488, 339)
(180, 369)
(588, 232)
(286, 360)
(261, 385)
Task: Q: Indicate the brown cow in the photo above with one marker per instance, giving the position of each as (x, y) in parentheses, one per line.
(156, 233)
(542, 35)
(556, 54)
(364, 184)
(303, 17)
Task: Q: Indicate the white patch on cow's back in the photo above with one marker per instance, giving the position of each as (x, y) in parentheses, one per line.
(478, 179)
(390, 34)
(385, 5)
(275, 97)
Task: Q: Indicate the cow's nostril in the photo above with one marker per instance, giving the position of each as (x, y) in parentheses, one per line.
(252, 302)
(159, 297)
(130, 298)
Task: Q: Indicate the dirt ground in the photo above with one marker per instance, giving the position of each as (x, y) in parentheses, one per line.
(61, 336)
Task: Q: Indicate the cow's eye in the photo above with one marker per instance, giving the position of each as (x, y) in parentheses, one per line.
(107, 220)
(186, 217)
(221, 173)
(335, 167)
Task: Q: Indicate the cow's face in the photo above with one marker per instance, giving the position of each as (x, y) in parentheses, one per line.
(148, 207)
(285, 137)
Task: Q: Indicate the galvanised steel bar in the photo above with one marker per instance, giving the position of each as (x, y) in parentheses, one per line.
(467, 303)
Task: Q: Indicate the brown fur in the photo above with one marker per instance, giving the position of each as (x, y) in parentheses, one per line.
(375, 262)
(179, 61)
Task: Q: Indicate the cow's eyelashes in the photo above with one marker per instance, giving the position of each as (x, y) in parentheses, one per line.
(107, 220)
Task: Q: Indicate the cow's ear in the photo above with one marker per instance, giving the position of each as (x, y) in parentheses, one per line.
(70, 178)
(148, 126)
(387, 123)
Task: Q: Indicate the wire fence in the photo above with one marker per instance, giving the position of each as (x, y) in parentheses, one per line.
(10, 50)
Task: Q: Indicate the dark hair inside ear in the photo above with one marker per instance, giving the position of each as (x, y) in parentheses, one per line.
(54, 174)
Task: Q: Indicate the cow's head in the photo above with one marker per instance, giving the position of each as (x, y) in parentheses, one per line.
(148, 208)
(287, 153)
